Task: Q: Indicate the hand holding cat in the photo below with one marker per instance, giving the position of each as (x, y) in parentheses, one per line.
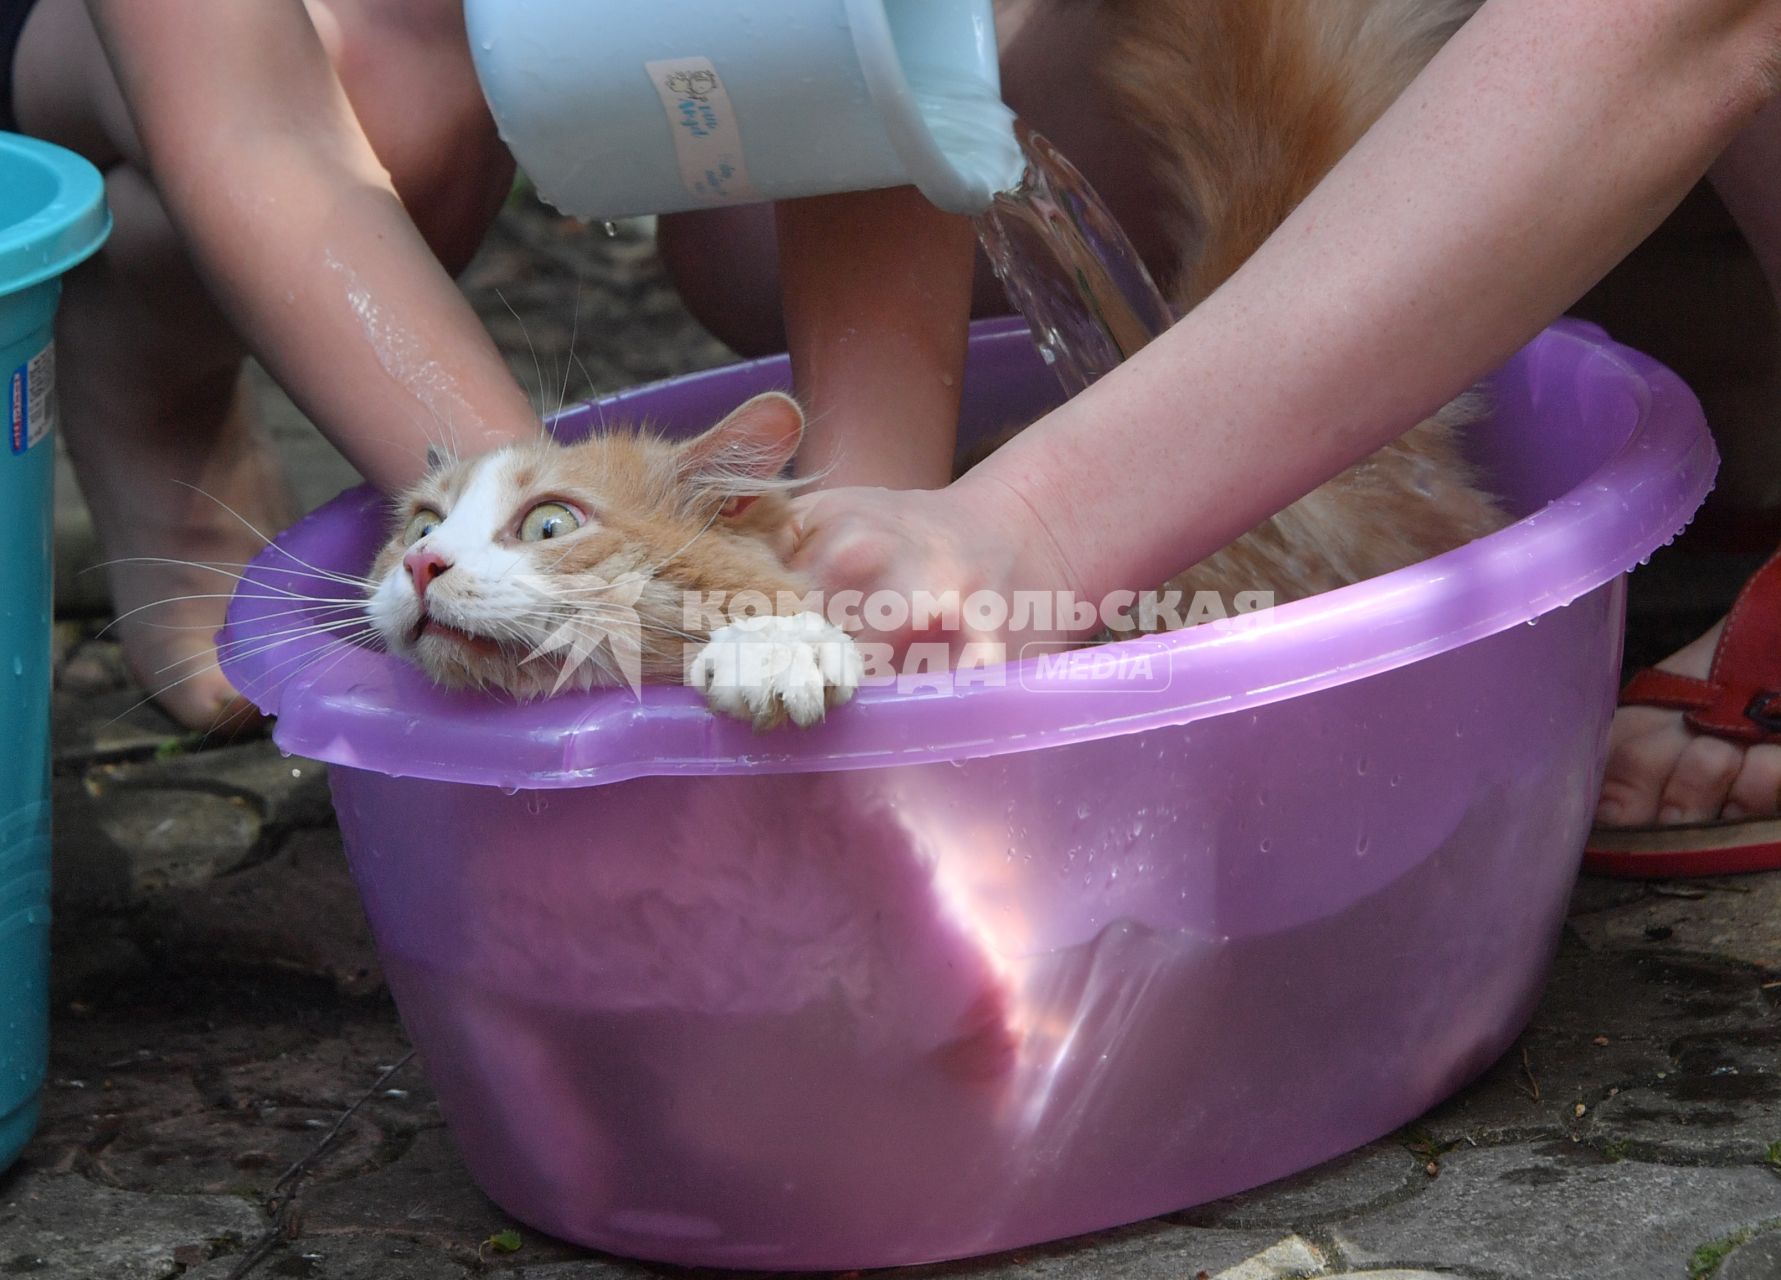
(903, 546)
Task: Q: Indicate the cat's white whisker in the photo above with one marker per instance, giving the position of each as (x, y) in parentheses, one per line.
(263, 643)
(317, 601)
(537, 368)
(574, 332)
(228, 571)
(224, 566)
(251, 528)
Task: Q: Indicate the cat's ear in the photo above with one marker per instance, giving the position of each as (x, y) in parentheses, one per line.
(745, 455)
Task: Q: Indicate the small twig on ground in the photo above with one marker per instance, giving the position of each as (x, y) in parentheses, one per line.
(1532, 1089)
(281, 1203)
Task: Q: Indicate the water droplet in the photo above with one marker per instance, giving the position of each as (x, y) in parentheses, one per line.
(1362, 765)
(611, 228)
(1267, 846)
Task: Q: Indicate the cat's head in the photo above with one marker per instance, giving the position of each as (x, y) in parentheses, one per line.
(546, 566)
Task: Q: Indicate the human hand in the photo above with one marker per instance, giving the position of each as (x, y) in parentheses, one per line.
(963, 567)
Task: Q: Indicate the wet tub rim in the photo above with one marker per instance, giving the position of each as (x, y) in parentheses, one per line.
(362, 709)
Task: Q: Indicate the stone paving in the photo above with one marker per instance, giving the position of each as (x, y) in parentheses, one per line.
(231, 1093)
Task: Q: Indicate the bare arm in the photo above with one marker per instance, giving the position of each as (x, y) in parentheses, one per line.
(877, 294)
(1531, 155)
(298, 230)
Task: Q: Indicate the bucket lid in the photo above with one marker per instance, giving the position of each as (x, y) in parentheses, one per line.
(52, 211)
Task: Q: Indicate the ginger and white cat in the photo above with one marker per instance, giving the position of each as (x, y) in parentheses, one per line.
(507, 571)
(535, 569)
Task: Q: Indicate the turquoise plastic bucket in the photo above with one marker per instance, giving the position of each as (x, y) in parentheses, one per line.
(52, 216)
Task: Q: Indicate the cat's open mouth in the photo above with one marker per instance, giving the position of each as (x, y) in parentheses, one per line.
(431, 626)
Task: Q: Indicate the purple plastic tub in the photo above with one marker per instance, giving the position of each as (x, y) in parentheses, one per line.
(698, 995)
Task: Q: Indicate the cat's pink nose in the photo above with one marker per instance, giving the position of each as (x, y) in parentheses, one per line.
(423, 567)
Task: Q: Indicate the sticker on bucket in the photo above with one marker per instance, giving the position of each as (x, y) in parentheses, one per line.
(706, 140)
(31, 399)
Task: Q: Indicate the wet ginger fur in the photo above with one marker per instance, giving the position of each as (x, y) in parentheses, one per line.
(1245, 105)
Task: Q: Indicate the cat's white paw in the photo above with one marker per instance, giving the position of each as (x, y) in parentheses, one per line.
(768, 669)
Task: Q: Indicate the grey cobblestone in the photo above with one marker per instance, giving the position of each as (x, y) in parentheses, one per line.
(69, 1228)
(1559, 1211)
(1373, 1175)
(1755, 1259)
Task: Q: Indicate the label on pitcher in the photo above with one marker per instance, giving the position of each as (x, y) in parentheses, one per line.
(707, 142)
(31, 399)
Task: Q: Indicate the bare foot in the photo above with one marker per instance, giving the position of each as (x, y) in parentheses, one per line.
(176, 527)
(1662, 772)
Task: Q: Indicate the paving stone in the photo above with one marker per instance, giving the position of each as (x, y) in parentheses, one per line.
(1373, 1175)
(424, 1195)
(1755, 1259)
(240, 1152)
(1157, 1250)
(345, 1258)
(1718, 1102)
(1732, 917)
(1558, 1211)
(288, 791)
(334, 1073)
(1610, 1020)
(89, 948)
(67, 1228)
(83, 1112)
(1598, 893)
(108, 726)
(588, 1269)
(298, 910)
(119, 847)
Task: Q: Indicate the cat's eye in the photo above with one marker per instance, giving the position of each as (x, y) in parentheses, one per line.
(548, 520)
(420, 524)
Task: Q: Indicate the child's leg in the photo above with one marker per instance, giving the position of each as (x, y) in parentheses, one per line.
(1659, 770)
(158, 425)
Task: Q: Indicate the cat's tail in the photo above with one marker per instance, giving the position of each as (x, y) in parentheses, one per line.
(1248, 103)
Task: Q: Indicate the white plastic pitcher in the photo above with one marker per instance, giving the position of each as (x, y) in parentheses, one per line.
(616, 109)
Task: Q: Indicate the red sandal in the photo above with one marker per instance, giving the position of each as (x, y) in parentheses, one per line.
(1740, 700)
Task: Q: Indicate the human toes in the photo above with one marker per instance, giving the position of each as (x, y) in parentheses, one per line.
(1643, 748)
(1701, 781)
(1757, 789)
